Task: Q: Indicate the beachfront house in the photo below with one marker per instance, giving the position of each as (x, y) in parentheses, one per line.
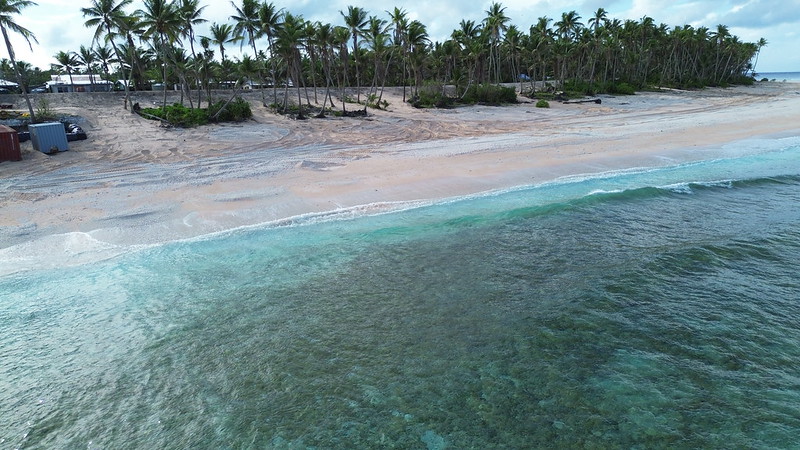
(78, 83)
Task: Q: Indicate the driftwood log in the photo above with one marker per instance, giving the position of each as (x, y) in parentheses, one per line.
(593, 100)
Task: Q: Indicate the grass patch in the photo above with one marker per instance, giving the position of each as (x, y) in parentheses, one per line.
(431, 95)
(181, 116)
(490, 94)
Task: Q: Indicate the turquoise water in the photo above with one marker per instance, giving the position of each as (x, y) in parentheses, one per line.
(648, 308)
(780, 76)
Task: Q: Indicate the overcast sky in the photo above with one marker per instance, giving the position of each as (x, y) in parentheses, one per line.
(58, 24)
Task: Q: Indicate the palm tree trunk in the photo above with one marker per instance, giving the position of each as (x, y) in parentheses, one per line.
(299, 80)
(122, 68)
(20, 81)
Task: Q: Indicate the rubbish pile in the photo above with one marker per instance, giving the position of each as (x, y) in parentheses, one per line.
(75, 132)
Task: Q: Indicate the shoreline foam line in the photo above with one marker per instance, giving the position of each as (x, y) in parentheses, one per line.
(79, 248)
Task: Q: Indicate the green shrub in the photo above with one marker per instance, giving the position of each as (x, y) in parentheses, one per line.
(543, 104)
(743, 80)
(181, 116)
(490, 94)
(621, 89)
(431, 95)
(236, 111)
(579, 88)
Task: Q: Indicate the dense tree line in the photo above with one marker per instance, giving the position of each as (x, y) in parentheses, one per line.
(368, 52)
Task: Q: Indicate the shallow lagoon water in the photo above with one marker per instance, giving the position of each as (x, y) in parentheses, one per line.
(645, 308)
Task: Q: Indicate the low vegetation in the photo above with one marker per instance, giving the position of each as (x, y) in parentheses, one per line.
(179, 115)
(44, 113)
(434, 95)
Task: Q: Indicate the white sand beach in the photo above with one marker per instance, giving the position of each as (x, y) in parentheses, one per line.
(135, 182)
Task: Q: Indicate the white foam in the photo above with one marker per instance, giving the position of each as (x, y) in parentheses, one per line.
(56, 251)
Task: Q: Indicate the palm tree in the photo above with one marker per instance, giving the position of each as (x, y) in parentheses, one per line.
(106, 58)
(341, 36)
(512, 43)
(247, 22)
(761, 43)
(190, 11)
(162, 22)
(356, 21)
(377, 37)
(7, 8)
(567, 29)
(66, 61)
(222, 34)
(291, 36)
(719, 38)
(312, 51)
(596, 22)
(399, 21)
(203, 66)
(269, 17)
(128, 28)
(324, 39)
(417, 41)
(87, 57)
(107, 16)
(494, 26)
(541, 38)
(468, 37)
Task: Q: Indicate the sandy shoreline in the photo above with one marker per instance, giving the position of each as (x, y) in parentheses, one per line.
(133, 182)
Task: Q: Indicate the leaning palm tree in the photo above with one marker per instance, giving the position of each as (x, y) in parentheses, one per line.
(7, 9)
(760, 44)
(106, 16)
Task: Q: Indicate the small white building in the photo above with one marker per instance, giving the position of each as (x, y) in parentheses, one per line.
(79, 83)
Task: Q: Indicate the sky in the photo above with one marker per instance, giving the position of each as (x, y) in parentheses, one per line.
(58, 24)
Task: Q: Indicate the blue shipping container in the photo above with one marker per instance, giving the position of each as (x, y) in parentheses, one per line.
(49, 137)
